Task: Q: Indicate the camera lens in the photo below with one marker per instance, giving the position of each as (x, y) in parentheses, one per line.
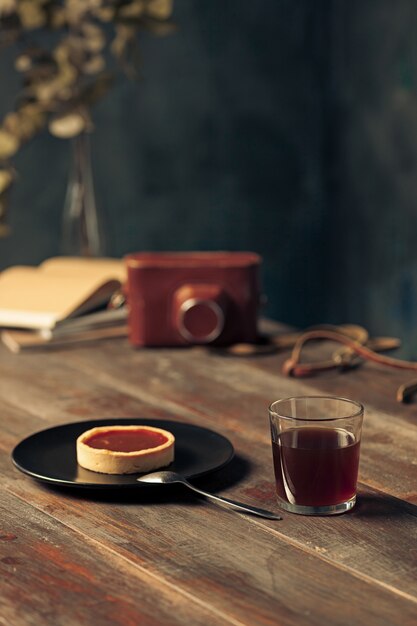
(199, 312)
(200, 321)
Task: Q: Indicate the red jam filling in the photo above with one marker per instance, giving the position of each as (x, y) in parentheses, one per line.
(118, 440)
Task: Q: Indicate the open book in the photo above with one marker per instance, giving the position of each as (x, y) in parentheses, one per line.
(61, 293)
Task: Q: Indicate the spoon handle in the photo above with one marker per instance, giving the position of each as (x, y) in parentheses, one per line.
(237, 505)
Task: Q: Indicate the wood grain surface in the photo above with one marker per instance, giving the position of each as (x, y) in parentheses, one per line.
(163, 556)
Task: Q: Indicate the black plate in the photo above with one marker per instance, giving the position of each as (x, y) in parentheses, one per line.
(50, 455)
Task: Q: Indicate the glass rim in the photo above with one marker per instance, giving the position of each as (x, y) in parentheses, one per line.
(359, 408)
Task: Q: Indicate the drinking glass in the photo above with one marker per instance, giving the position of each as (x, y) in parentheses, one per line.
(315, 449)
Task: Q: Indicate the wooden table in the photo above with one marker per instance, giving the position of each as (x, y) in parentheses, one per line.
(168, 557)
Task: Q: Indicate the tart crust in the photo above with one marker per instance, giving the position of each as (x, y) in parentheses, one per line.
(108, 461)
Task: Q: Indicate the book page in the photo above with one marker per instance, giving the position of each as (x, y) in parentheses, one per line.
(103, 268)
(31, 298)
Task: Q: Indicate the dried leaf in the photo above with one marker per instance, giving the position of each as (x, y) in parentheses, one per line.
(7, 7)
(9, 144)
(94, 65)
(23, 63)
(94, 39)
(56, 87)
(6, 179)
(25, 122)
(31, 14)
(61, 54)
(105, 14)
(124, 34)
(67, 126)
(76, 9)
(11, 123)
(133, 10)
(159, 9)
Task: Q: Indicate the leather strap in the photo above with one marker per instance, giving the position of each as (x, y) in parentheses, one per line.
(294, 367)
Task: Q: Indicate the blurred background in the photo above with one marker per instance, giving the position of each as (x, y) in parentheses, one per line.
(288, 128)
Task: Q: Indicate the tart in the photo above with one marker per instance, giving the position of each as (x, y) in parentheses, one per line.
(125, 449)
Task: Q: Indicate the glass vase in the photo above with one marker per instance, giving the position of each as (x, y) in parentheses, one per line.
(81, 229)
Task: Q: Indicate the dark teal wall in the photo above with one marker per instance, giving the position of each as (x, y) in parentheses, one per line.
(371, 172)
(286, 127)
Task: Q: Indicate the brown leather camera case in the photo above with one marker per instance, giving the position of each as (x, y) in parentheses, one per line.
(190, 298)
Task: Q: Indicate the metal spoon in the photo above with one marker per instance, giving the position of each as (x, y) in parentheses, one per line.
(165, 478)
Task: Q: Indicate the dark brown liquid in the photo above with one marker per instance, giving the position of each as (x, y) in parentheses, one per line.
(119, 440)
(316, 466)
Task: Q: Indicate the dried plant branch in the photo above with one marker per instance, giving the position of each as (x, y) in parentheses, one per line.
(63, 51)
